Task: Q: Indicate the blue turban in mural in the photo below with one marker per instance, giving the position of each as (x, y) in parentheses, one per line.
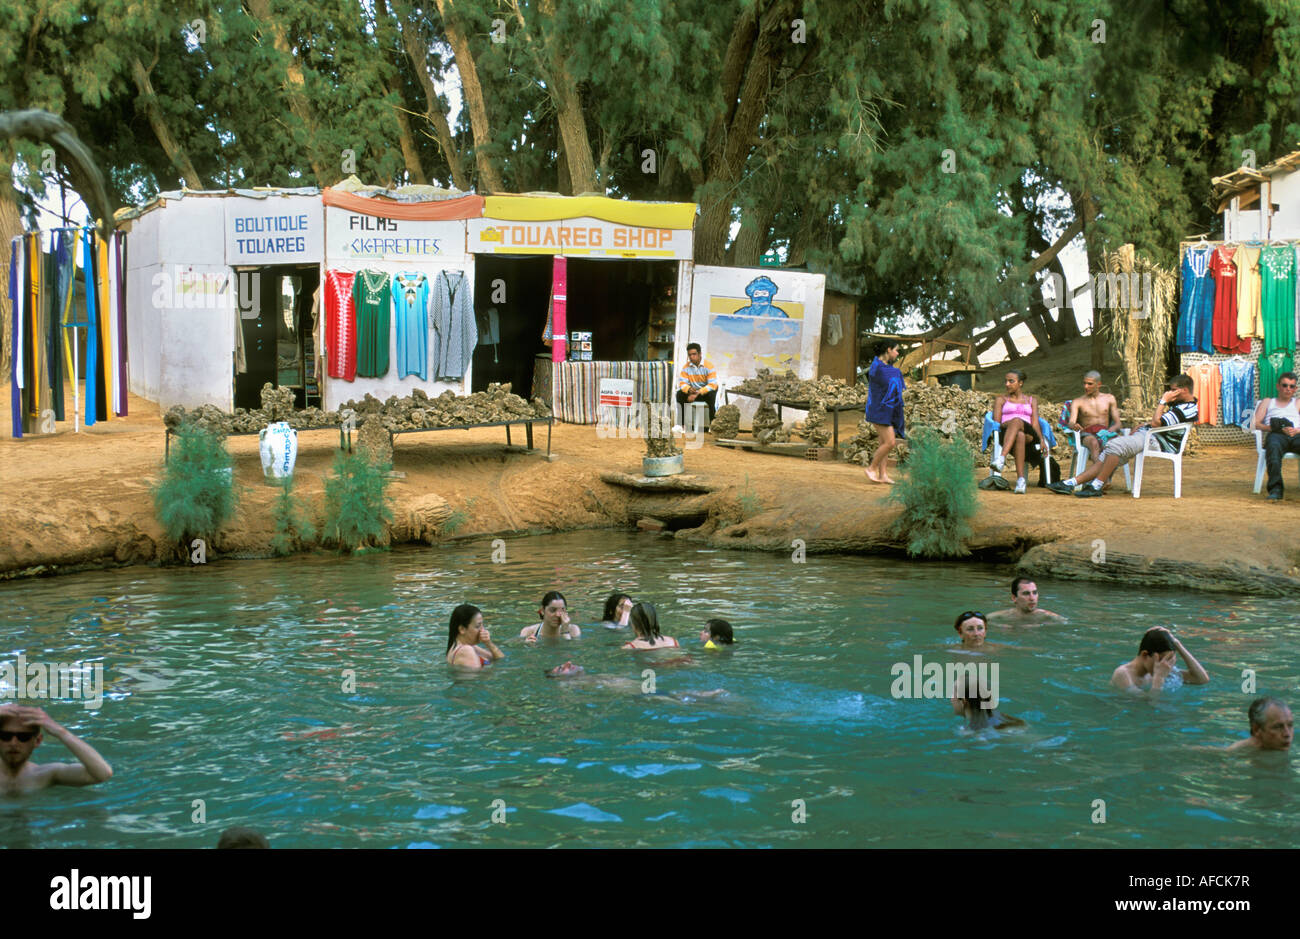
(760, 291)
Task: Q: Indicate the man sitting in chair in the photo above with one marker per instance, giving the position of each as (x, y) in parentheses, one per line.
(1177, 406)
(1279, 418)
(1095, 415)
(698, 380)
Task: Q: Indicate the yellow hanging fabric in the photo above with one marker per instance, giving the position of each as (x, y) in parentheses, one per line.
(105, 327)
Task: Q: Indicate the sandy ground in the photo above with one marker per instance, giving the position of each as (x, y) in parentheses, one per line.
(78, 500)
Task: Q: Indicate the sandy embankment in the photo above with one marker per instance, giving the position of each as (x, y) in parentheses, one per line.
(77, 500)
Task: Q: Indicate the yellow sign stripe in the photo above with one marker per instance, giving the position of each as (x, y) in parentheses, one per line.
(674, 215)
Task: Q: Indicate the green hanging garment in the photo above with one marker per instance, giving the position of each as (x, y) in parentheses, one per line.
(371, 296)
(1271, 365)
(1277, 297)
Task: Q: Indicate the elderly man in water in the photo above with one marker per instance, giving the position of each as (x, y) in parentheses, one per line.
(1024, 609)
(1271, 727)
(22, 731)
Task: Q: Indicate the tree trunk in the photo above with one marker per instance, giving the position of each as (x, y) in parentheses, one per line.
(149, 101)
(295, 84)
(1132, 371)
(418, 52)
(488, 173)
(754, 52)
(410, 155)
(751, 240)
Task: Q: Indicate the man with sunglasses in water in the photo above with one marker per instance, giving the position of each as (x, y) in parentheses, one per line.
(1279, 418)
(21, 732)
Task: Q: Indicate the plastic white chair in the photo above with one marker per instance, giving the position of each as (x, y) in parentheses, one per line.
(1151, 448)
(1045, 453)
(1262, 466)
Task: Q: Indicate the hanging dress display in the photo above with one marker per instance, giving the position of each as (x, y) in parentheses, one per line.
(1237, 380)
(411, 320)
(1277, 297)
(1249, 324)
(1196, 311)
(340, 325)
(372, 298)
(1224, 333)
(454, 327)
(1271, 366)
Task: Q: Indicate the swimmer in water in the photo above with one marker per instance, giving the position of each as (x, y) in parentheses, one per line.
(1024, 610)
(22, 730)
(576, 675)
(555, 623)
(618, 606)
(239, 837)
(466, 632)
(972, 627)
(975, 706)
(716, 634)
(645, 623)
(1271, 727)
(1153, 667)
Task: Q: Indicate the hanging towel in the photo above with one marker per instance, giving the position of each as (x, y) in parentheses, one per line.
(455, 331)
(411, 317)
(122, 368)
(16, 258)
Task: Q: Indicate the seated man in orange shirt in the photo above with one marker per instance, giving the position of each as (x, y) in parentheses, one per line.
(698, 380)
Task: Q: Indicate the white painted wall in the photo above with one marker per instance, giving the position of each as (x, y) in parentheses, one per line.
(1286, 195)
(142, 317)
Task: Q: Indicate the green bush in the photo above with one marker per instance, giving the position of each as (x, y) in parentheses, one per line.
(750, 503)
(292, 528)
(357, 507)
(196, 494)
(454, 522)
(938, 495)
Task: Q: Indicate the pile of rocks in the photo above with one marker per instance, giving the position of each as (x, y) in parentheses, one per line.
(768, 427)
(726, 423)
(413, 412)
(277, 405)
(830, 392)
(449, 409)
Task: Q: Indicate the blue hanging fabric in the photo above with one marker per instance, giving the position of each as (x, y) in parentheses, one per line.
(16, 257)
(92, 320)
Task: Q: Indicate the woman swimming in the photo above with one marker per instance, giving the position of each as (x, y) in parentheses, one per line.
(972, 627)
(555, 623)
(972, 705)
(618, 606)
(645, 623)
(467, 631)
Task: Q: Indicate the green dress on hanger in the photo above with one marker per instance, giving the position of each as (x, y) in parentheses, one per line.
(372, 299)
(1277, 297)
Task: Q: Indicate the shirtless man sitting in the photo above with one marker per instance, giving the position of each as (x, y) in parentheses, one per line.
(1095, 414)
(1024, 610)
(1271, 727)
(1154, 665)
(21, 732)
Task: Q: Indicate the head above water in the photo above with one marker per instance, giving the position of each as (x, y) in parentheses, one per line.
(567, 670)
(614, 606)
(972, 626)
(720, 632)
(1155, 641)
(645, 621)
(1025, 592)
(466, 620)
(14, 750)
(243, 838)
(1271, 723)
(553, 606)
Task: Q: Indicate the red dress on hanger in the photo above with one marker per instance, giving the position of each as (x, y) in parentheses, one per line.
(340, 325)
(1224, 332)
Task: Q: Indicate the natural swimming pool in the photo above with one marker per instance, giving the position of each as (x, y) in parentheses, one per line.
(224, 684)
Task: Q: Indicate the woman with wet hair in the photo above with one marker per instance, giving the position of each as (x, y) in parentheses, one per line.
(645, 623)
(555, 623)
(466, 632)
(618, 606)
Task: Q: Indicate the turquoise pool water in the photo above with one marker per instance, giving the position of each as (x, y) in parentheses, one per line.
(225, 683)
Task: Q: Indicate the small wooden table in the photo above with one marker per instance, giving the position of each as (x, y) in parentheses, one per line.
(804, 406)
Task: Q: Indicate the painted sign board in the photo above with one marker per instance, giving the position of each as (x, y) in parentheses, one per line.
(354, 238)
(578, 237)
(275, 230)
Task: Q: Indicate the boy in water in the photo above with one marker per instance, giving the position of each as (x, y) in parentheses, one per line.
(1154, 665)
(21, 732)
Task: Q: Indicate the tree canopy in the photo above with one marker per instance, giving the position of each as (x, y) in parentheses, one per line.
(930, 153)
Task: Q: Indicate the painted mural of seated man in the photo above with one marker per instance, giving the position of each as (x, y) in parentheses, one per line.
(22, 731)
(1177, 406)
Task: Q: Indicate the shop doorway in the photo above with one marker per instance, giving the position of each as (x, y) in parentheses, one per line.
(626, 304)
(274, 309)
(511, 295)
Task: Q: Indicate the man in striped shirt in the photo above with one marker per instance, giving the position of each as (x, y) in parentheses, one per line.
(698, 380)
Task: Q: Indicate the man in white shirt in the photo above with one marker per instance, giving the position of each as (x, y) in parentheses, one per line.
(1279, 418)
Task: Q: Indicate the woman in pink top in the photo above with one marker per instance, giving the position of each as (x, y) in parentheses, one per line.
(1017, 413)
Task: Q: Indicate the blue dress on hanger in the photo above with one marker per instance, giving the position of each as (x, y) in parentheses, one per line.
(1196, 310)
